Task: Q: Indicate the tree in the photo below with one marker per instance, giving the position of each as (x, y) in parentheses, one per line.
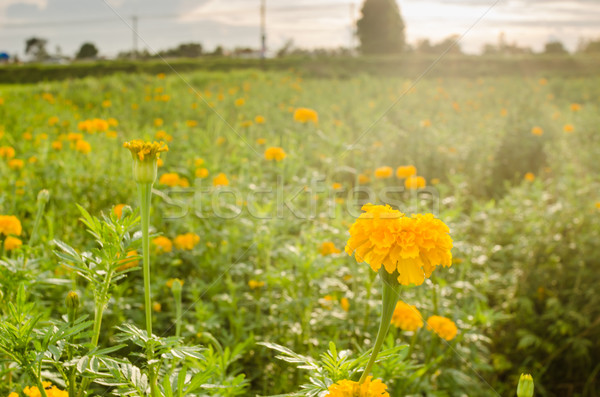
(87, 50)
(37, 47)
(186, 50)
(381, 28)
(555, 47)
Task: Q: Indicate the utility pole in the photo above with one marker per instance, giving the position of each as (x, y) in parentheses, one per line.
(134, 25)
(352, 27)
(263, 29)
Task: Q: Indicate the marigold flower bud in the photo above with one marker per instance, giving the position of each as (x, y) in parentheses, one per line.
(72, 300)
(43, 196)
(145, 156)
(525, 388)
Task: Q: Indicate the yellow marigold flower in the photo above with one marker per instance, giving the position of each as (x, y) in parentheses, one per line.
(129, 261)
(160, 76)
(598, 205)
(74, 136)
(7, 152)
(413, 247)
(159, 162)
(112, 122)
(221, 140)
(348, 388)
(191, 123)
(503, 112)
(336, 186)
(405, 171)
(118, 209)
(12, 243)
(162, 134)
(163, 244)
(259, 119)
(275, 153)
(10, 224)
(16, 164)
(246, 123)
(240, 102)
(425, 123)
(57, 145)
(345, 304)
(253, 284)
(170, 282)
(145, 151)
(575, 107)
(13, 394)
(383, 172)
(363, 179)
(529, 177)
(186, 241)
(83, 146)
(537, 131)
(172, 179)
(106, 103)
(220, 180)
(407, 317)
(157, 307)
(442, 326)
(415, 182)
(53, 121)
(568, 128)
(198, 162)
(543, 81)
(261, 141)
(304, 115)
(201, 173)
(32, 160)
(158, 122)
(328, 248)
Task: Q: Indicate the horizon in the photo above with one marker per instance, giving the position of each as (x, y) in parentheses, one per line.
(69, 23)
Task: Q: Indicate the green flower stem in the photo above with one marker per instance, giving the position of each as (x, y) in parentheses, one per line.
(36, 223)
(391, 292)
(36, 378)
(145, 193)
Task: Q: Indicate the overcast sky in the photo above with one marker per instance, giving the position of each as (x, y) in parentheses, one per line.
(310, 23)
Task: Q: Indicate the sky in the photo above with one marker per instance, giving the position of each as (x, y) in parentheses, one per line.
(164, 24)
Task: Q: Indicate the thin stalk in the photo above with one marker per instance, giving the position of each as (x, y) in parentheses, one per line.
(36, 223)
(38, 381)
(145, 193)
(391, 291)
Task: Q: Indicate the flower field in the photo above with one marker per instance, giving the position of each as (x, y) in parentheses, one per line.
(250, 251)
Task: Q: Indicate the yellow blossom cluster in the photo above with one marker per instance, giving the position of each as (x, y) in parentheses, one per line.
(348, 388)
(328, 248)
(443, 327)
(145, 150)
(93, 125)
(163, 244)
(305, 115)
(275, 153)
(186, 241)
(406, 317)
(411, 247)
(173, 179)
(10, 224)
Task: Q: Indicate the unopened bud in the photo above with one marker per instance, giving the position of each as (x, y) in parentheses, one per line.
(176, 287)
(72, 301)
(525, 388)
(43, 196)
